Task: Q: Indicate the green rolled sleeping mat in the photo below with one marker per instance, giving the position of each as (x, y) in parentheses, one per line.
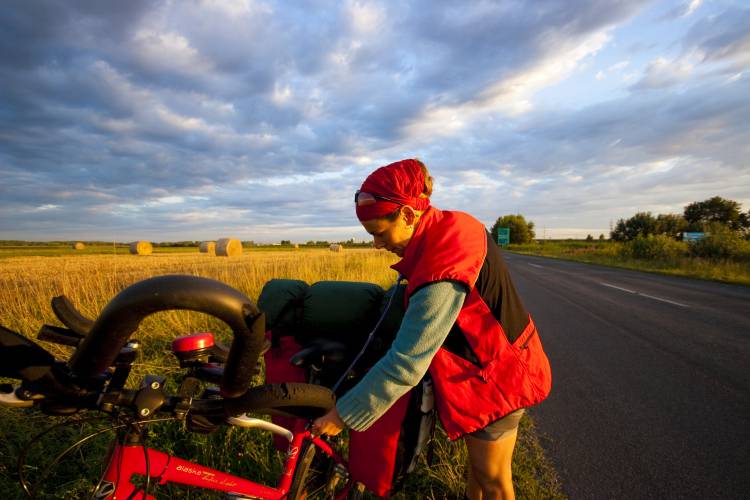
(344, 311)
(282, 301)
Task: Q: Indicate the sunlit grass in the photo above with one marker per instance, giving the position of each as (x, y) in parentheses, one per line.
(611, 254)
(90, 280)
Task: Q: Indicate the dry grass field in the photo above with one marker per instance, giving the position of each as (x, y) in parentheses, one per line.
(28, 283)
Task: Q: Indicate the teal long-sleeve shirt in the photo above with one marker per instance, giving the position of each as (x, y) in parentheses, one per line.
(432, 311)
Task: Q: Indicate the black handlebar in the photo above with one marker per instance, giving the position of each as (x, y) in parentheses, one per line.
(70, 317)
(121, 317)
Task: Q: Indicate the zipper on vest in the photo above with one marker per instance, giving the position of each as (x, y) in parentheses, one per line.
(526, 343)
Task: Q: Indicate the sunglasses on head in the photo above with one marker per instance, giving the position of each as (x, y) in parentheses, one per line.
(362, 199)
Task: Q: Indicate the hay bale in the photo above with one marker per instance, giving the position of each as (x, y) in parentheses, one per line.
(141, 248)
(335, 247)
(207, 247)
(228, 247)
(78, 245)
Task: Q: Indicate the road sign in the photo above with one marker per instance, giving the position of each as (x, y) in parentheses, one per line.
(693, 236)
(503, 236)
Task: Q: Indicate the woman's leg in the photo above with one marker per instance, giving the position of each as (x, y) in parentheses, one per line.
(490, 475)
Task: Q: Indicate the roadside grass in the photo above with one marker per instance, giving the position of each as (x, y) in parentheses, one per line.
(609, 253)
(28, 283)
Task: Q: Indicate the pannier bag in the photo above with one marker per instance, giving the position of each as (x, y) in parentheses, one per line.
(298, 315)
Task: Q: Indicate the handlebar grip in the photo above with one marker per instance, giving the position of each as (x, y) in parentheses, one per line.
(59, 335)
(122, 315)
(243, 357)
(69, 315)
(289, 399)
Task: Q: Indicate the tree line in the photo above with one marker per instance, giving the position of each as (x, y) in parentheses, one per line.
(709, 216)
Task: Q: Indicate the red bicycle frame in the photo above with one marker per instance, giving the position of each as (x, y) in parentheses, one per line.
(128, 460)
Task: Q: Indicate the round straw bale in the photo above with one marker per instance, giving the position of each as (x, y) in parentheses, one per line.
(228, 247)
(141, 248)
(335, 247)
(207, 247)
(78, 245)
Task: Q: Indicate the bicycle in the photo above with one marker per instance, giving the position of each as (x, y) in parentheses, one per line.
(95, 376)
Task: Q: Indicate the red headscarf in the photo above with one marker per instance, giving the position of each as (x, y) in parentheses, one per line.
(401, 182)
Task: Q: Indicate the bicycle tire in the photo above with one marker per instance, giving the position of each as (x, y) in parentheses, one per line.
(299, 479)
(288, 399)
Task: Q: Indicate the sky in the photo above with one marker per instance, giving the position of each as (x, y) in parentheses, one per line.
(197, 120)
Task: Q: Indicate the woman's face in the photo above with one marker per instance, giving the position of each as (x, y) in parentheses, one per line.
(393, 236)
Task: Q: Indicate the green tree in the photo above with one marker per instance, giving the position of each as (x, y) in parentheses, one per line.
(641, 224)
(521, 231)
(671, 225)
(726, 212)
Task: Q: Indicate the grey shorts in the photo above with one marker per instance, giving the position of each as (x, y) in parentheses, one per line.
(499, 427)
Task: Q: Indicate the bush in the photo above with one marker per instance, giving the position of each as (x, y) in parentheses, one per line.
(521, 231)
(641, 224)
(721, 243)
(654, 247)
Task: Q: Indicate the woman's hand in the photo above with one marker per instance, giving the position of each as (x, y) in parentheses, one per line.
(330, 423)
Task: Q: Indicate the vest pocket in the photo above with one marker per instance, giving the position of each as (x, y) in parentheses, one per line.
(528, 348)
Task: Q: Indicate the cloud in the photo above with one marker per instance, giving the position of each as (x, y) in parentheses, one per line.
(715, 44)
(237, 117)
(510, 95)
(662, 73)
(722, 38)
(683, 9)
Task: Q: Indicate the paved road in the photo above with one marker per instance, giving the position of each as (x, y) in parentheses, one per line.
(651, 390)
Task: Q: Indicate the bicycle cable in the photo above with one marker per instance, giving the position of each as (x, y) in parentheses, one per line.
(110, 452)
(22, 457)
(21, 462)
(370, 336)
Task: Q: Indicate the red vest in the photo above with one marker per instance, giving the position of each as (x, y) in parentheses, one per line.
(452, 246)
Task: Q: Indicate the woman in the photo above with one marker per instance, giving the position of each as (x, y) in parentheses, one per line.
(464, 323)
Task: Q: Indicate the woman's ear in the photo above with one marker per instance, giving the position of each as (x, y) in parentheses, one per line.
(409, 215)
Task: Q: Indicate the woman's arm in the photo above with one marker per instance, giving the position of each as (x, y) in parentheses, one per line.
(430, 316)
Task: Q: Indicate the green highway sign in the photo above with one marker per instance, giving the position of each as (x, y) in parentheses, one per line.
(503, 236)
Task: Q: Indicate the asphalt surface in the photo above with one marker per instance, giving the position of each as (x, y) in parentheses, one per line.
(651, 380)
